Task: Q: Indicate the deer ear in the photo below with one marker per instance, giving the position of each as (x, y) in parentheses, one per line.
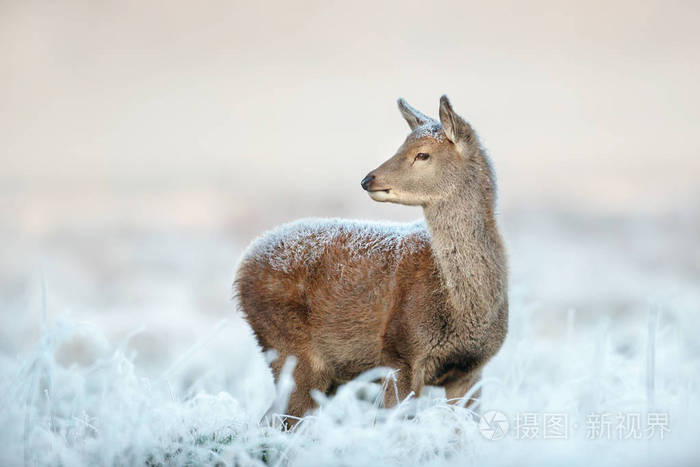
(456, 129)
(448, 119)
(412, 116)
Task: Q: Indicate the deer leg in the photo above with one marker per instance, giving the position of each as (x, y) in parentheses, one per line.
(456, 389)
(407, 379)
(306, 378)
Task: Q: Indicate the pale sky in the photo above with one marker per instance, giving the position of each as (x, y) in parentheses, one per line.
(594, 103)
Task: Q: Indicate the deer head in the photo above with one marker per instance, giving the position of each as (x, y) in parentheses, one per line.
(435, 159)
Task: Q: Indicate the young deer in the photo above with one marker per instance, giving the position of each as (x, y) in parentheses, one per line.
(428, 298)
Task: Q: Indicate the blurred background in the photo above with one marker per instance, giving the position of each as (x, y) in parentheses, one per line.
(143, 145)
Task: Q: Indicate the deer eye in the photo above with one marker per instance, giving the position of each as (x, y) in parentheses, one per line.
(421, 156)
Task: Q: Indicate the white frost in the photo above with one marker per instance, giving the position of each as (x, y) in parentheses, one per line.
(301, 243)
(431, 130)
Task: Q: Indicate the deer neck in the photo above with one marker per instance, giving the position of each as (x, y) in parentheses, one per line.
(468, 250)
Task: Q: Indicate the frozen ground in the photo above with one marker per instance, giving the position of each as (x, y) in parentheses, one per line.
(134, 354)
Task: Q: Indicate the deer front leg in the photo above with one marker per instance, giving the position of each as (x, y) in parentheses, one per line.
(456, 389)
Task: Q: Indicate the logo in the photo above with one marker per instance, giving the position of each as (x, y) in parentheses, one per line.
(494, 425)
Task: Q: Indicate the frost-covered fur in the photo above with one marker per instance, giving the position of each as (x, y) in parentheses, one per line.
(429, 299)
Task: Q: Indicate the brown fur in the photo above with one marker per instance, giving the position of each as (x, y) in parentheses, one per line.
(428, 299)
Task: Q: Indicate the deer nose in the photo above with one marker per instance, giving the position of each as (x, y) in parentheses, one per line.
(366, 181)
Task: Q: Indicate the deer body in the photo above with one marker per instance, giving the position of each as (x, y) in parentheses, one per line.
(427, 298)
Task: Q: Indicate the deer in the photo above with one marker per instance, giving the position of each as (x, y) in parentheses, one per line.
(428, 299)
